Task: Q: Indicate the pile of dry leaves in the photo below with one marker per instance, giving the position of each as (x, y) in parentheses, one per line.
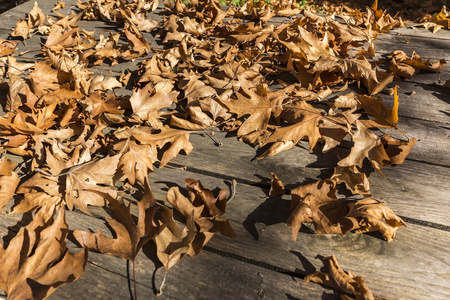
(85, 146)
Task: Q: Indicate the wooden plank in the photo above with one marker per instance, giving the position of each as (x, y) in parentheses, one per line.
(210, 274)
(364, 254)
(387, 270)
(428, 48)
(424, 182)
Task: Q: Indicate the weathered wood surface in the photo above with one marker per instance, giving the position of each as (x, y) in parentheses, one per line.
(264, 262)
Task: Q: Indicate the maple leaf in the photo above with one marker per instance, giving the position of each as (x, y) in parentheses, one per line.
(259, 104)
(138, 44)
(368, 215)
(206, 210)
(9, 180)
(178, 139)
(60, 39)
(82, 179)
(79, 184)
(137, 161)
(172, 243)
(44, 78)
(37, 261)
(384, 117)
(306, 124)
(7, 47)
(22, 29)
(104, 83)
(130, 236)
(148, 101)
(339, 280)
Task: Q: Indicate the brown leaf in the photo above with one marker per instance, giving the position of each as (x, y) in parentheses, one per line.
(58, 38)
(7, 47)
(83, 180)
(258, 104)
(384, 117)
(9, 180)
(104, 83)
(148, 101)
(22, 29)
(130, 236)
(397, 150)
(137, 161)
(337, 279)
(354, 180)
(311, 202)
(37, 261)
(370, 215)
(172, 243)
(178, 139)
(306, 124)
(207, 223)
(276, 186)
(366, 144)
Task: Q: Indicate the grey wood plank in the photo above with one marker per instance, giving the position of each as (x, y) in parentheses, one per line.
(415, 179)
(388, 271)
(364, 254)
(208, 275)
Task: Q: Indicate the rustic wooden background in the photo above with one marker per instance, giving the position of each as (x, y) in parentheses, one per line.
(263, 262)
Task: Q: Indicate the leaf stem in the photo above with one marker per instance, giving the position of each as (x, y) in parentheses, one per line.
(134, 279)
(159, 293)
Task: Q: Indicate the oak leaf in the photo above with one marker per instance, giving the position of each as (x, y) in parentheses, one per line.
(356, 182)
(276, 186)
(366, 145)
(370, 215)
(257, 103)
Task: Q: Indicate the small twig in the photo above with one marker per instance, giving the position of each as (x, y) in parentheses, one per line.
(406, 40)
(213, 138)
(29, 50)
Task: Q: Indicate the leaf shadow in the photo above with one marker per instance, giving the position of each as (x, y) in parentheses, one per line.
(14, 229)
(272, 211)
(309, 268)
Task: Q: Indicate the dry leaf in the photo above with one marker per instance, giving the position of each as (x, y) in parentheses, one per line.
(276, 186)
(130, 236)
(339, 280)
(9, 180)
(37, 261)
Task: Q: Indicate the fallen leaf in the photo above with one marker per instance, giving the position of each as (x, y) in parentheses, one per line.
(37, 261)
(9, 180)
(130, 236)
(339, 280)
